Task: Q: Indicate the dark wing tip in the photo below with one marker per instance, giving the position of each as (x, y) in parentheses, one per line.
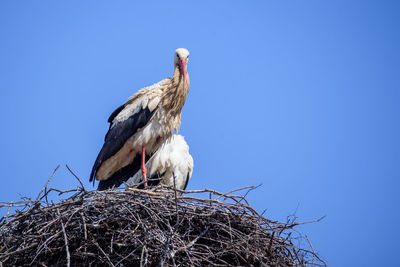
(115, 113)
(187, 181)
(92, 174)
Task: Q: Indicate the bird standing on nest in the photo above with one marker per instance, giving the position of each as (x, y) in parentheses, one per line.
(171, 165)
(141, 125)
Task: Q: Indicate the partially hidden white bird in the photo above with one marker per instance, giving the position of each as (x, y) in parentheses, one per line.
(172, 161)
(141, 125)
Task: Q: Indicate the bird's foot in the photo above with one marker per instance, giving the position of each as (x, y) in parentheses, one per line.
(144, 172)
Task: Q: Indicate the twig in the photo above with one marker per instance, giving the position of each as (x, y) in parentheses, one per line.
(313, 259)
(40, 248)
(8, 211)
(4, 256)
(48, 181)
(76, 176)
(270, 242)
(262, 213)
(66, 240)
(176, 202)
(307, 222)
(141, 256)
(143, 191)
(102, 251)
(190, 244)
(251, 189)
(235, 190)
(84, 227)
(48, 224)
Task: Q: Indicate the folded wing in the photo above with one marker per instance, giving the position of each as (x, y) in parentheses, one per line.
(124, 123)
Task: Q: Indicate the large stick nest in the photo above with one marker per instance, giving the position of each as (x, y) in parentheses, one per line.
(147, 228)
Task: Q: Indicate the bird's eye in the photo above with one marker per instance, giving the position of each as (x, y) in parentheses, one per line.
(177, 56)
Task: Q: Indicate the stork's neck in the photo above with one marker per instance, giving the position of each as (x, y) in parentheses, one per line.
(177, 76)
(175, 95)
(180, 83)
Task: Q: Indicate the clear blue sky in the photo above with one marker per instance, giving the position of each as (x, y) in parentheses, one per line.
(301, 96)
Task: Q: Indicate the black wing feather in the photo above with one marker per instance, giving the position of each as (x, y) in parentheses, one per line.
(122, 175)
(119, 134)
(187, 181)
(111, 118)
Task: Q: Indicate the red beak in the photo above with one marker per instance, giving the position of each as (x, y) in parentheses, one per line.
(182, 66)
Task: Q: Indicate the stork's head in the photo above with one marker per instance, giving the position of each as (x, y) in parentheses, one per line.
(181, 58)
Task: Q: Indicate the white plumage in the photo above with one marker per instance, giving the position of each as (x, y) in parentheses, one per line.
(171, 160)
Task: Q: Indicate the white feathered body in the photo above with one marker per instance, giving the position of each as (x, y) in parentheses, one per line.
(171, 160)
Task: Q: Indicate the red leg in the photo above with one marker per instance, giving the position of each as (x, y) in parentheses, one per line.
(144, 170)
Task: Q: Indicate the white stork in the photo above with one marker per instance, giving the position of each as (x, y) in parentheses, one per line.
(171, 161)
(141, 125)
